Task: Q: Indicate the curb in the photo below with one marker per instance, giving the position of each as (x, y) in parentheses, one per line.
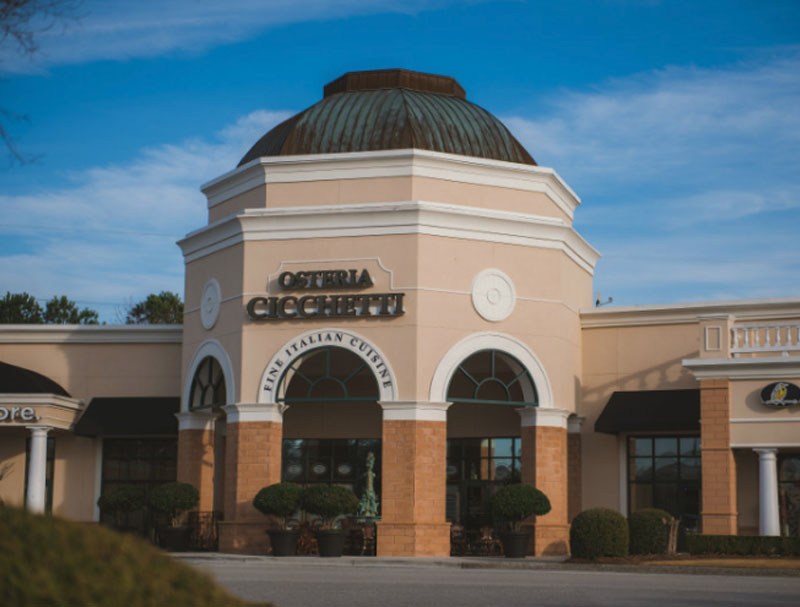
(478, 563)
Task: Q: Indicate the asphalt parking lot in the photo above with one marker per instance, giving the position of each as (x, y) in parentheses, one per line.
(303, 581)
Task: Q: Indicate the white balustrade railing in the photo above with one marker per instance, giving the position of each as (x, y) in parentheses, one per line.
(766, 337)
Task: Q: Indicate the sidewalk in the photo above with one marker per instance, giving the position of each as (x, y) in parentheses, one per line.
(539, 563)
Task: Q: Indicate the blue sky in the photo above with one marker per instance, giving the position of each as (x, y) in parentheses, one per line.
(676, 122)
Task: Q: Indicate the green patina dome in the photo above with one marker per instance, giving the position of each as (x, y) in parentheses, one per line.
(391, 110)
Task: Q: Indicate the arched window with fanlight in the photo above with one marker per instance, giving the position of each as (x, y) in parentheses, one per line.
(208, 385)
(485, 451)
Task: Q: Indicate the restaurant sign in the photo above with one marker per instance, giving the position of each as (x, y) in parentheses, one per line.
(310, 305)
(22, 414)
(780, 394)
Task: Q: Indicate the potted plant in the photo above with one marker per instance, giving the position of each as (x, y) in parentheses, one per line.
(329, 502)
(173, 499)
(513, 504)
(280, 500)
(120, 499)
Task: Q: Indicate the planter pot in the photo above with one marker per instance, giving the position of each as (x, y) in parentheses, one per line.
(175, 539)
(331, 541)
(515, 544)
(283, 541)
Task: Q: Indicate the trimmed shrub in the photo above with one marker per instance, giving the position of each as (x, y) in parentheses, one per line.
(598, 532)
(174, 498)
(45, 560)
(122, 498)
(648, 531)
(328, 502)
(514, 503)
(280, 500)
(743, 545)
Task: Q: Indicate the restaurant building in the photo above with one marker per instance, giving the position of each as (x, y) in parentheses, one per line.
(389, 283)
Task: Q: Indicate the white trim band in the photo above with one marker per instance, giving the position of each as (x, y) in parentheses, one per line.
(758, 367)
(254, 412)
(195, 420)
(537, 416)
(422, 411)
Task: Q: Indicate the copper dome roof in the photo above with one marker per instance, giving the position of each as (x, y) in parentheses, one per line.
(389, 110)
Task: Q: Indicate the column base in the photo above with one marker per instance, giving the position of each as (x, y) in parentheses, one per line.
(719, 524)
(413, 539)
(243, 537)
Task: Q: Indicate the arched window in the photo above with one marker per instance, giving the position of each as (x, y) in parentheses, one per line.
(492, 377)
(325, 375)
(208, 385)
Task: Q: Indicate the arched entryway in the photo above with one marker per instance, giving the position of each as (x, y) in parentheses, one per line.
(332, 424)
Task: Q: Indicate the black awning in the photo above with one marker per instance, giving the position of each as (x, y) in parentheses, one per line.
(129, 416)
(18, 380)
(650, 411)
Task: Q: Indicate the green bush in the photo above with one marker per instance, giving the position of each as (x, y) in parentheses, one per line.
(598, 532)
(174, 498)
(328, 502)
(122, 498)
(743, 545)
(280, 500)
(45, 560)
(514, 503)
(648, 531)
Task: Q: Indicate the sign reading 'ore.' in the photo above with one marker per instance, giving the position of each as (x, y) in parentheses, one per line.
(23, 414)
(314, 306)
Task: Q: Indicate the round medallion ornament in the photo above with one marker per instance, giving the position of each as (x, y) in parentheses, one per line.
(209, 304)
(493, 295)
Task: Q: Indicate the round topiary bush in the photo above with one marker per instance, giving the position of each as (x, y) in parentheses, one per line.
(122, 498)
(514, 503)
(174, 498)
(328, 502)
(598, 532)
(648, 531)
(280, 500)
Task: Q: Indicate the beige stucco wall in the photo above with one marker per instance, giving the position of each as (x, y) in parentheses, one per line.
(12, 465)
(754, 423)
(387, 189)
(625, 358)
(89, 370)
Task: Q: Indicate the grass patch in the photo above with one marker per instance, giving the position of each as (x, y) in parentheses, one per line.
(51, 561)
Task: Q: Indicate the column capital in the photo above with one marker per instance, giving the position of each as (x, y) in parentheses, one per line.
(196, 420)
(766, 452)
(574, 423)
(255, 412)
(414, 410)
(543, 416)
(39, 430)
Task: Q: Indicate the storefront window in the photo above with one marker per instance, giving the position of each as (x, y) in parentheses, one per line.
(143, 462)
(664, 472)
(476, 468)
(48, 471)
(354, 463)
(789, 493)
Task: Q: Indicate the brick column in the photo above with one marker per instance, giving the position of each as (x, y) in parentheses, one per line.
(719, 515)
(414, 480)
(574, 466)
(544, 465)
(252, 461)
(196, 454)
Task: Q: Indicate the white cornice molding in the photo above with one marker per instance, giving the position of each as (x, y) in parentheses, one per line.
(688, 313)
(254, 412)
(90, 334)
(46, 405)
(539, 417)
(391, 218)
(758, 367)
(392, 163)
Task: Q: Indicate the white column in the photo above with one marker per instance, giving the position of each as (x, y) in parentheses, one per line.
(768, 519)
(37, 469)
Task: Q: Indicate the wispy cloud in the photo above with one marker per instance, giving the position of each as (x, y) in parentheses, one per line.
(111, 236)
(689, 178)
(126, 29)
